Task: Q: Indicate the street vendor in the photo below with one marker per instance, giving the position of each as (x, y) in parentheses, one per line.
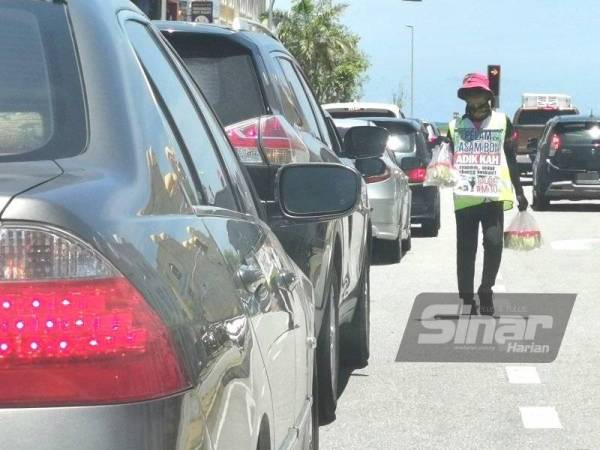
(484, 157)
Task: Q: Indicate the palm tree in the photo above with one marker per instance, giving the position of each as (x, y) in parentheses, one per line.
(327, 51)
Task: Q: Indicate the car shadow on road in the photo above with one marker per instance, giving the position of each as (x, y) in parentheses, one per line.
(344, 377)
(574, 207)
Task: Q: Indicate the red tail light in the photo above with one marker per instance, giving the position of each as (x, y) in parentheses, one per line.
(416, 175)
(273, 135)
(244, 138)
(555, 143)
(377, 178)
(73, 330)
(515, 136)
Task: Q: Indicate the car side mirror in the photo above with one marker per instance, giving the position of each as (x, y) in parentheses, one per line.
(410, 163)
(314, 192)
(365, 142)
(532, 145)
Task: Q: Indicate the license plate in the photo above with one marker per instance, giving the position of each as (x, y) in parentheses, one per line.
(587, 178)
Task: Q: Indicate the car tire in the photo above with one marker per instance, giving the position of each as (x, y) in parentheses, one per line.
(540, 201)
(328, 353)
(356, 339)
(407, 243)
(431, 227)
(388, 252)
(314, 441)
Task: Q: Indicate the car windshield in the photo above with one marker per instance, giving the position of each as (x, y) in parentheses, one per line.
(38, 120)
(540, 117)
(224, 72)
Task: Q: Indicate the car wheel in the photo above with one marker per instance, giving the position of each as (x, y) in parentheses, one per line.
(356, 339)
(540, 202)
(388, 252)
(407, 243)
(328, 354)
(431, 227)
(314, 439)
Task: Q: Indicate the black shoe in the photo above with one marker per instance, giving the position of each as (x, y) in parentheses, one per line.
(486, 302)
(469, 307)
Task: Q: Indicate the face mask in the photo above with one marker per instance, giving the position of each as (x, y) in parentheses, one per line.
(479, 111)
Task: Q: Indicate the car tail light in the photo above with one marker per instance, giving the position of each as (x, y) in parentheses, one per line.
(416, 175)
(515, 136)
(380, 177)
(73, 330)
(244, 138)
(555, 143)
(273, 135)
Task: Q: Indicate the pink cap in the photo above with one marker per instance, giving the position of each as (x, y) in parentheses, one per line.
(475, 81)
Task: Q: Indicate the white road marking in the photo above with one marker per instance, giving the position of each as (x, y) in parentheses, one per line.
(499, 288)
(540, 417)
(522, 375)
(575, 244)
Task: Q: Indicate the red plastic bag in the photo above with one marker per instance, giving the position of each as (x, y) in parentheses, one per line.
(523, 233)
(440, 171)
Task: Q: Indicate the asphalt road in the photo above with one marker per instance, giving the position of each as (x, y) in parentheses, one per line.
(391, 405)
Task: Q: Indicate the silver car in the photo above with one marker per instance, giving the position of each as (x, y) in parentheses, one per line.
(390, 199)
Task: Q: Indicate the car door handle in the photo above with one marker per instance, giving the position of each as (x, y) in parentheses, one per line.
(252, 277)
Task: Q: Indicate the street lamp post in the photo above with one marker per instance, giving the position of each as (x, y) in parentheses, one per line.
(270, 12)
(412, 69)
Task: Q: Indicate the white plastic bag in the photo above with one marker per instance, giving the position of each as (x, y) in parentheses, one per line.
(523, 233)
(440, 171)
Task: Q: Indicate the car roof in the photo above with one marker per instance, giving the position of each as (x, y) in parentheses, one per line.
(410, 123)
(243, 37)
(349, 123)
(575, 118)
(363, 105)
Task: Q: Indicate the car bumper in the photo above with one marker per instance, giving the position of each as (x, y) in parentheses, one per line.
(425, 201)
(569, 190)
(384, 210)
(149, 425)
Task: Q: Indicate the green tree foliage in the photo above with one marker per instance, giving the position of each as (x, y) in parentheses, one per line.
(327, 51)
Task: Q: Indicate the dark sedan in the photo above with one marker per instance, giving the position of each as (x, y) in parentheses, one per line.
(143, 303)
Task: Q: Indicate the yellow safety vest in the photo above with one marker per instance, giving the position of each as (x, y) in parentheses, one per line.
(481, 163)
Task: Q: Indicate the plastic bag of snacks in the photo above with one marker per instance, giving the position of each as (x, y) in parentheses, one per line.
(523, 233)
(440, 171)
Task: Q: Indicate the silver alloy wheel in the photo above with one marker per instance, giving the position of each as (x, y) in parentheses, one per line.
(333, 331)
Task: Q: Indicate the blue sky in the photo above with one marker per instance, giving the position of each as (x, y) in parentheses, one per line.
(542, 45)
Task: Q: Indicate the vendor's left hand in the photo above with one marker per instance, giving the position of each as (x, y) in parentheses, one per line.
(522, 201)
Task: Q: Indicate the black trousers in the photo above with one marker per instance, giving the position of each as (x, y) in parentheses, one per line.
(491, 217)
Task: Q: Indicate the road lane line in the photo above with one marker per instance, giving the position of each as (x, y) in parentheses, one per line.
(522, 375)
(540, 417)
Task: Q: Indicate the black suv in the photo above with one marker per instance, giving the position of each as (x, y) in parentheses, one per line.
(272, 119)
(567, 161)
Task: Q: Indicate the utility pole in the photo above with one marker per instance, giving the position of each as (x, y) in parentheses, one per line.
(412, 69)
(270, 11)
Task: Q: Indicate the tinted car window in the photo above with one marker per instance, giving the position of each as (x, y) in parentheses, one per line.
(38, 120)
(402, 136)
(540, 117)
(224, 72)
(308, 118)
(215, 189)
(582, 133)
